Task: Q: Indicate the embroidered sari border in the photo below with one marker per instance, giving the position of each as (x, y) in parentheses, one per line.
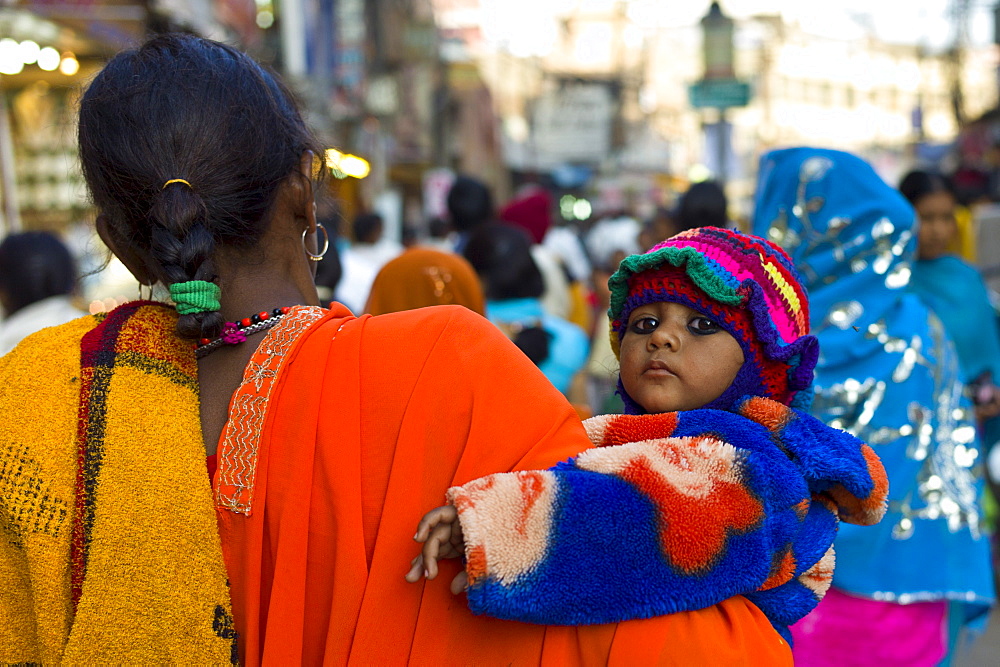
(240, 442)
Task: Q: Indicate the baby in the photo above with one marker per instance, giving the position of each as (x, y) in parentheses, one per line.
(713, 485)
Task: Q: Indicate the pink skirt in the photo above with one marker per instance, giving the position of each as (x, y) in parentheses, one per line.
(848, 631)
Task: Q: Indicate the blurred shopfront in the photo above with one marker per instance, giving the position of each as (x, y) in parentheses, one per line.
(43, 62)
(49, 49)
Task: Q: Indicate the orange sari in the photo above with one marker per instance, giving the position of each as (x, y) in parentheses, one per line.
(344, 432)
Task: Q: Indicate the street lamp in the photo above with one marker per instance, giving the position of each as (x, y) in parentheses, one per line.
(719, 88)
(717, 45)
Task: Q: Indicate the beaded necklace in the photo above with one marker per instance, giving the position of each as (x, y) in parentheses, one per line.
(234, 333)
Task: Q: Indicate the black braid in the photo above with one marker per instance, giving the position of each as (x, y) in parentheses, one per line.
(183, 246)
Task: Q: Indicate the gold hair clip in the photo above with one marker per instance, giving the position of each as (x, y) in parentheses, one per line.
(176, 180)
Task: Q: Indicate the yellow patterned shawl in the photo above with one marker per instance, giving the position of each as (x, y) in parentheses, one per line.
(109, 551)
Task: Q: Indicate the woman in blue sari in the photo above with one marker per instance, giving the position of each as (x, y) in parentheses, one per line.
(887, 373)
(954, 290)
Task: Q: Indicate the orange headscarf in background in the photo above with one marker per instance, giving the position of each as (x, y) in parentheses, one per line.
(423, 277)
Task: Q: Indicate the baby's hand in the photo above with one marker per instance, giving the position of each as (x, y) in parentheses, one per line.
(441, 533)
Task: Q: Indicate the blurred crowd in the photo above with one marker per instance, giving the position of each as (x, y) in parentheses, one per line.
(540, 278)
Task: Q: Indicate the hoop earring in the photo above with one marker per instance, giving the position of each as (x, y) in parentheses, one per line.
(326, 243)
(150, 298)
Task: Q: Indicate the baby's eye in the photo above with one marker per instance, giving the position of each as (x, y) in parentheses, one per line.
(644, 325)
(702, 326)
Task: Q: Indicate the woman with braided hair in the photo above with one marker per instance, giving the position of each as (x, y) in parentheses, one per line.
(235, 477)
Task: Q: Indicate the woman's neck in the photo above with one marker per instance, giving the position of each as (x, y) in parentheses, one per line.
(238, 303)
(249, 287)
(221, 372)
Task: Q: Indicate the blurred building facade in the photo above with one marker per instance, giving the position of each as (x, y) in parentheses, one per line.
(883, 101)
(370, 75)
(609, 93)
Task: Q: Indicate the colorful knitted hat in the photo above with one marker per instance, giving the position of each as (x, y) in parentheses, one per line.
(745, 284)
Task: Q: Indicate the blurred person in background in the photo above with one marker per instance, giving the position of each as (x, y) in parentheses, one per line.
(601, 371)
(438, 232)
(703, 205)
(362, 260)
(954, 290)
(329, 271)
(563, 241)
(608, 242)
(971, 187)
(660, 227)
(410, 236)
(422, 277)
(470, 205)
(613, 233)
(888, 374)
(501, 256)
(38, 279)
(532, 212)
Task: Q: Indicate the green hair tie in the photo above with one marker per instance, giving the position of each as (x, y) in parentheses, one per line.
(195, 296)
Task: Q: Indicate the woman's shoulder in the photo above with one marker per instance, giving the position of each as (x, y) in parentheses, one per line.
(951, 265)
(40, 388)
(433, 327)
(449, 341)
(44, 364)
(429, 320)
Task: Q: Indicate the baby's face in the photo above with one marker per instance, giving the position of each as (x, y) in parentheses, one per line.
(674, 358)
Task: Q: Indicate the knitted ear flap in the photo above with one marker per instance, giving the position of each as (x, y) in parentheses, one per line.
(745, 283)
